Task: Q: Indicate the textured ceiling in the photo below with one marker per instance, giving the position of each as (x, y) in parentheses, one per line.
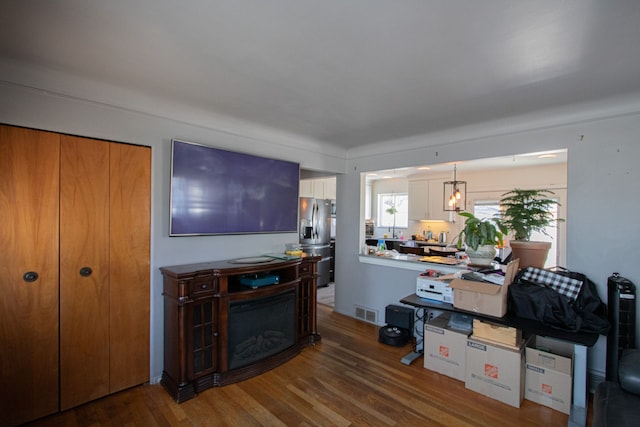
(347, 73)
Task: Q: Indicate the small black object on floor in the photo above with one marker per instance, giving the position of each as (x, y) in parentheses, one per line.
(399, 327)
(394, 336)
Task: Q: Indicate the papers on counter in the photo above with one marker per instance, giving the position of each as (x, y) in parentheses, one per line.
(441, 260)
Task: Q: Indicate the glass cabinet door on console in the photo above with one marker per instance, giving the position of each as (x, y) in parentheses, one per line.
(191, 334)
(307, 300)
(203, 340)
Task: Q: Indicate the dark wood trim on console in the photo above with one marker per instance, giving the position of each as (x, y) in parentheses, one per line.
(196, 302)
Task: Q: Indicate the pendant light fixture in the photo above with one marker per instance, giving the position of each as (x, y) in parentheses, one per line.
(455, 194)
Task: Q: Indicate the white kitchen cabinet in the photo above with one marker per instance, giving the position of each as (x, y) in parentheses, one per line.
(425, 200)
(330, 188)
(436, 194)
(419, 200)
(306, 188)
(320, 188)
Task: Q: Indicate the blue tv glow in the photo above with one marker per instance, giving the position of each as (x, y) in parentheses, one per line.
(216, 191)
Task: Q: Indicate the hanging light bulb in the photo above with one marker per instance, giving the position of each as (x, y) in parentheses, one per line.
(455, 194)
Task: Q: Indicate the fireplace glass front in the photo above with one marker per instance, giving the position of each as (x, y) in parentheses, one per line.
(260, 328)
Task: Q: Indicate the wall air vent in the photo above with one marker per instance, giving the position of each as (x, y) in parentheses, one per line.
(367, 314)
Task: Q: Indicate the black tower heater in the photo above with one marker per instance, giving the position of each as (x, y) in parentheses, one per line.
(622, 316)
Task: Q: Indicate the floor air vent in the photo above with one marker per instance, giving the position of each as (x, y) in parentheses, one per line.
(367, 314)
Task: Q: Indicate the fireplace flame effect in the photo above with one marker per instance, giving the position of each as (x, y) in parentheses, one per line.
(256, 345)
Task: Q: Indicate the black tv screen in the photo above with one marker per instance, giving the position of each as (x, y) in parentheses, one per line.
(216, 191)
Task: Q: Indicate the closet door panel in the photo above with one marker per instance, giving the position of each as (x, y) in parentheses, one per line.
(29, 171)
(130, 213)
(84, 270)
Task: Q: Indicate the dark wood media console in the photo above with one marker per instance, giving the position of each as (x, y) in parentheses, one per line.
(204, 302)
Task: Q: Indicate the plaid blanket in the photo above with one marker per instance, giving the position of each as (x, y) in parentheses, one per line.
(564, 285)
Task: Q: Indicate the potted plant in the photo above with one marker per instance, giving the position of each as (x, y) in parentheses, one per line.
(480, 237)
(523, 212)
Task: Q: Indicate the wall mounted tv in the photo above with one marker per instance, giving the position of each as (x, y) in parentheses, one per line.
(216, 191)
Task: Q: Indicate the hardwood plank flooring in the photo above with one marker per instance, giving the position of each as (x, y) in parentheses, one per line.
(326, 295)
(348, 379)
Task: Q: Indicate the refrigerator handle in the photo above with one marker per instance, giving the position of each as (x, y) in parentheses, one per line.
(313, 219)
(317, 221)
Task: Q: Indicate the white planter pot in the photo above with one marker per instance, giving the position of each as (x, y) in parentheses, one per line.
(484, 255)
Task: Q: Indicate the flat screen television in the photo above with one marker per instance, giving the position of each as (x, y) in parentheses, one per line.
(216, 191)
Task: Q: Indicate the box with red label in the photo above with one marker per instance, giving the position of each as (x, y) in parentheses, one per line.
(549, 373)
(444, 348)
(495, 371)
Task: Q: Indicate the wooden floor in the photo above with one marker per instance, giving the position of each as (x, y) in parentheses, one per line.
(348, 379)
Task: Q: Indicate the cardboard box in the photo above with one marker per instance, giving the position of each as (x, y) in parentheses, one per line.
(483, 297)
(549, 373)
(444, 348)
(495, 371)
(496, 333)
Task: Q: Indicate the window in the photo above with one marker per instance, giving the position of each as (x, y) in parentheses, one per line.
(398, 202)
(485, 209)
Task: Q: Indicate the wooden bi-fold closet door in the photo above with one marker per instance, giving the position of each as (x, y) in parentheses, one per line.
(129, 266)
(29, 171)
(104, 268)
(74, 271)
(84, 270)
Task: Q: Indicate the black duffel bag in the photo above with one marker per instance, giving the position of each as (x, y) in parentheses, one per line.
(561, 299)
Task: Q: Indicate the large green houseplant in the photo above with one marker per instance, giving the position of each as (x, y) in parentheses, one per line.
(480, 236)
(523, 212)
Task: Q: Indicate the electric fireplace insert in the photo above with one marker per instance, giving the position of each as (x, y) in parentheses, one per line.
(260, 328)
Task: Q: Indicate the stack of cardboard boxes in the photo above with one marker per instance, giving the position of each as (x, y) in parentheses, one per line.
(495, 370)
(445, 347)
(549, 373)
(496, 360)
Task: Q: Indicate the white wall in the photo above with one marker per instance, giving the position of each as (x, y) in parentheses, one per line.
(39, 110)
(603, 205)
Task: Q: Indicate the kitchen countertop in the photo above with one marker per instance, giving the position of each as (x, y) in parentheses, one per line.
(410, 262)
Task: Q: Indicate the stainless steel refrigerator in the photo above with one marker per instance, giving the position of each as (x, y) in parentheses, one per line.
(315, 233)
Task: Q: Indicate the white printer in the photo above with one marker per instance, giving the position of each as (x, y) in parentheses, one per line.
(431, 288)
